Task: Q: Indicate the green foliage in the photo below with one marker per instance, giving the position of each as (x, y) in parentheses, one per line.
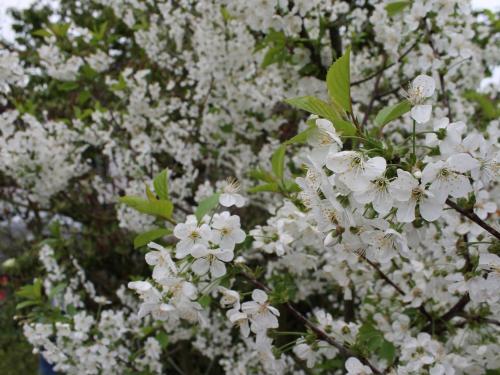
(324, 110)
(205, 300)
(144, 238)
(31, 291)
(160, 184)
(371, 340)
(162, 338)
(302, 137)
(206, 205)
(338, 81)
(272, 186)
(396, 7)
(277, 51)
(490, 109)
(390, 113)
(278, 161)
(157, 207)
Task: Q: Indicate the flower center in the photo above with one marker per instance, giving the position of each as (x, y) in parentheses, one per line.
(232, 186)
(417, 194)
(444, 173)
(194, 235)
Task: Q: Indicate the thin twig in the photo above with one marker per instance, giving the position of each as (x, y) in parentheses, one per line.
(472, 216)
(395, 286)
(385, 67)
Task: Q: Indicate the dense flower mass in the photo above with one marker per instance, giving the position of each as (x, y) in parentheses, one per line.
(253, 187)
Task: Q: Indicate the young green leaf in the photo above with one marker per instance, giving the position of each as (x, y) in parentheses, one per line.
(338, 81)
(302, 137)
(162, 208)
(24, 304)
(151, 196)
(205, 300)
(162, 339)
(273, 186)
(324, 110)
(160, 184)
(278, 161)
(144, 238)
(262, 175)
(206, 205)
(396, 7)
(388, 114)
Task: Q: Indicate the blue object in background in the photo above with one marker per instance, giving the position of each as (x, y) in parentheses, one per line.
(46, 367)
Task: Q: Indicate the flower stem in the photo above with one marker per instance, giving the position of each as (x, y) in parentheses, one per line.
(414, 140)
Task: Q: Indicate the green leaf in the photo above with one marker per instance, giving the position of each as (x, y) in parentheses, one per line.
(273, 186)
(205, 300)
(24, 304)
(273, 55)
(396, 7)
(206, 205)
(68, 86)
(42, 33)
(160, 184)
(489, 107)
(388, 114)
(151, 196)
(162, 208)
(226, 16)
(31, 291)
(371, 339)
(302, 137)
(262, 175)
(59, 288)
(162, 338)
(278, 161)
(387, 351)
(325, 110)
(144, 238)
(338, 81)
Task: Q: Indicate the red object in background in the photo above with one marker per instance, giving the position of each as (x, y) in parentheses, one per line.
(3, 295)
(4, 280)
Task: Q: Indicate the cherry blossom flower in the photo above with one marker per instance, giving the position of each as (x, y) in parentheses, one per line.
(230, 196)
(210, 260)
(226, 231)
(408, 192)
(377, 194)
(262, 315)
(163, 264)
(240, 319)
(190, 234)
(420, 89)
(447, 178)
(353, 170)
(229, 297)
(325, 141)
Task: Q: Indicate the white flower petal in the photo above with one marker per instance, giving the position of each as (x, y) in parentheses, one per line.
(426, 84)
(200, 266)
(217, 268)
(430, 209)
(259, 296)
(421, 113)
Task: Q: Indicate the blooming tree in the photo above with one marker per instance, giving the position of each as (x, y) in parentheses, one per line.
(308, 186)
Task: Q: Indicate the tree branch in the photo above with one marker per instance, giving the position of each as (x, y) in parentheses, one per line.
(385, 67)
(472, 216)
(320, 334)
(395, 286)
